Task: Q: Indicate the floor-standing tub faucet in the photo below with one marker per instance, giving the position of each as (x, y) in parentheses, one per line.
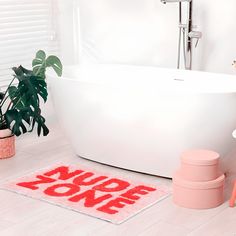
(185, 30)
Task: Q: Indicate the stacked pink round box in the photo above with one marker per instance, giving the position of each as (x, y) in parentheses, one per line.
(199, 183)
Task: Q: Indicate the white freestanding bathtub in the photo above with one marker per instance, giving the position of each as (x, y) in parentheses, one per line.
(141, 118)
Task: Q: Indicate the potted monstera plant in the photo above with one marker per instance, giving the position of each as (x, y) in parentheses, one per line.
(20, 103)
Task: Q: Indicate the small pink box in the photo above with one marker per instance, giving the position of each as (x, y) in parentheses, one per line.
(200, 165)
(198, 195)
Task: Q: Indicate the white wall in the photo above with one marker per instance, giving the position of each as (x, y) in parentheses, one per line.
(217, 21)
(67, 30)
(146, 32)
(128, 31)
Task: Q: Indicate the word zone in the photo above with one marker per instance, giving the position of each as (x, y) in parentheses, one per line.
(78, 189)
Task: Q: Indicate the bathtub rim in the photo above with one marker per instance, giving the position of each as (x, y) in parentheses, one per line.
(229, 77)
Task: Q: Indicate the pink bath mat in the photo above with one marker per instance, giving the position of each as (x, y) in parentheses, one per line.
(93, 192)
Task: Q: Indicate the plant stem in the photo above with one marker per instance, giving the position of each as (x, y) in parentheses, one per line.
(4, 100)
(16, 104)
(39, 68)
(9, 106)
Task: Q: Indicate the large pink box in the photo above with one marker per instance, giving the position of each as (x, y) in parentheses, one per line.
(198, 195)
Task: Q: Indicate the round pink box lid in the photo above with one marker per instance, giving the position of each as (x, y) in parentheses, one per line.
(179, 180)
(200, 157)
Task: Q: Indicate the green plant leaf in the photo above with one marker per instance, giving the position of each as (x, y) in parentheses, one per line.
(29, 88)
(1, 96)
(21, 72)
(40, 87)
(41, 63)
(23, 112)
(17, 120)
(17, 117)
(40, 120)
(12, 91)
(55, 63)
(18, 101)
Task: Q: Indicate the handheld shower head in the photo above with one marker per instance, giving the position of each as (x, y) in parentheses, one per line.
(166, 1)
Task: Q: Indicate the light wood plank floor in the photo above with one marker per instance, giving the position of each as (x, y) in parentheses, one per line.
(22, 216)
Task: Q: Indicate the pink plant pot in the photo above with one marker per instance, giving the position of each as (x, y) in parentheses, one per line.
(198, 195)
(7, 147)
(200, 165)
(5, 133)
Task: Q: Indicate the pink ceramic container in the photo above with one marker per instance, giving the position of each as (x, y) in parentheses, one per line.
(5, 133)
(200, 165)
(198, 195)
(7, 147)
